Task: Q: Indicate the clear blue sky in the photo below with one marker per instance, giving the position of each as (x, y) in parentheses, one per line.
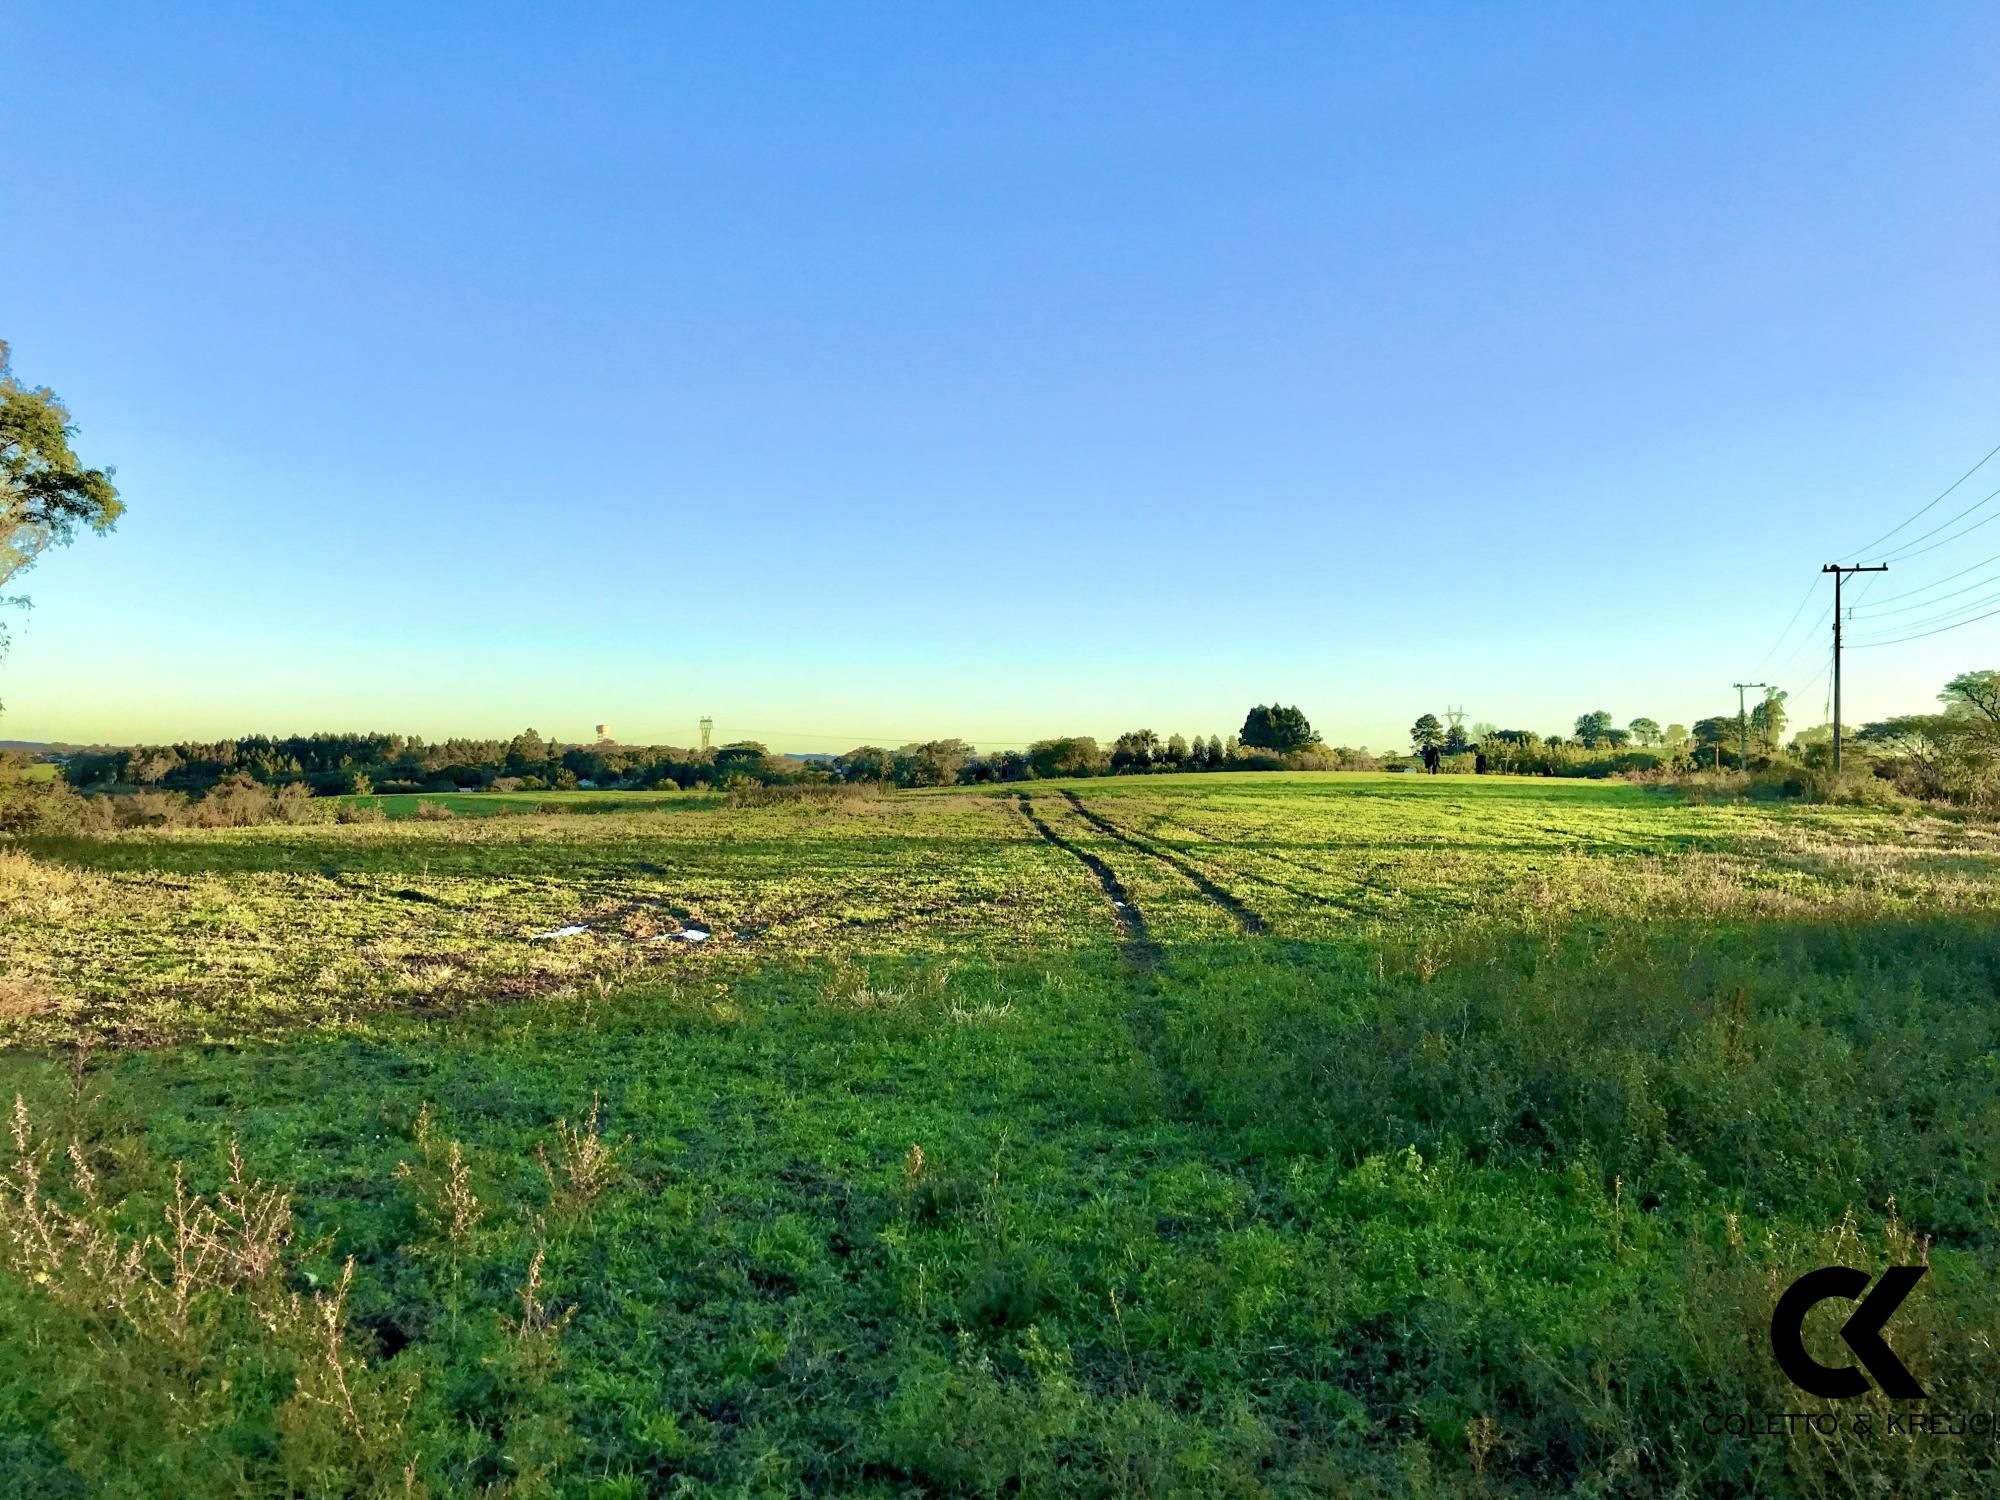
(857, 372)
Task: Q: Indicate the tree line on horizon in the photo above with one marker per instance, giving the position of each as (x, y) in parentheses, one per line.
(1954, 754)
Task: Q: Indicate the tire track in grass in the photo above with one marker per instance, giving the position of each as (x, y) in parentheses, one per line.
(1138, 944)
(1247, 919)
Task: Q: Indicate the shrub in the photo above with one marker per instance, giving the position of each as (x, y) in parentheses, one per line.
(40, 807)
(432, 812)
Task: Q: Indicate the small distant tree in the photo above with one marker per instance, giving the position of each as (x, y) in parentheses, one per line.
(1617, 739)
(1592, 727)
(1177, 750)
(1767, 721)
(1718, 730)
(743, 758)
(1273, 727)
(1135, 750)
(932, 762)
(1676, 735)
(1455, 742)
(525, 750)
(1426, 733)
(1645, 731)
(1232, 751)
(866, 763)
(1076, 755)
(153, 765)
(1218, 753)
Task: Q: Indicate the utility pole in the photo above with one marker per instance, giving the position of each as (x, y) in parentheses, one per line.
(1743, 725)
(1839, 573)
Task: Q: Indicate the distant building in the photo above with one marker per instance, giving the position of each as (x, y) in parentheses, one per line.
(603, 734)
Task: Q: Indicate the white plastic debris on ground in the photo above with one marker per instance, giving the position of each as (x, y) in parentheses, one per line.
(571, 930)
(685, 935)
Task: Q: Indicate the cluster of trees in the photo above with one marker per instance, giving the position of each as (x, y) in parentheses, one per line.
(1954, 754)
(1273, 737)
(1597, 747)
(372, 762)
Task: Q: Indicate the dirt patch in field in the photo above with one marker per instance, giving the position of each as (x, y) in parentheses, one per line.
(22, 1000)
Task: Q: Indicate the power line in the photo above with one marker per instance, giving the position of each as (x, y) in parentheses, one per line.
(1813, 681)
(1806, 639)
(1939, 631)
(1946, 491)
(1906, 549)
(1944, 541)
(1925, 587)
(1811, 589)
(1924, 603)
(1950, 614)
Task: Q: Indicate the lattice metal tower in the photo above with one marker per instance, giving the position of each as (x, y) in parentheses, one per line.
(707, 728)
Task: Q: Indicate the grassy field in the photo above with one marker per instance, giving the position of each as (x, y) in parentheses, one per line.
(489, 804)
(1227, 1135)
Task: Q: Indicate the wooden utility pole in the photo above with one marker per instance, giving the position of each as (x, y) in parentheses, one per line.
(1743, 725)
(1839, 573)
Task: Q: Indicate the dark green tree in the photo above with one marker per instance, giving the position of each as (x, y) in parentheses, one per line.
(1645, 731)
(1591, 727)
(1426, 732)
(1074, 755)
(866, 763)
(1135, 750)
(1274, 727)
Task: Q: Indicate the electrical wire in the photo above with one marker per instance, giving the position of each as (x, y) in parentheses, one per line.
(1910, 548)
(1878, 611)
(1868, 645)
(1951, 614)
(1805, 640)
(1783, 634)
(1813, 680)
(1925, 587)
(1927, 506)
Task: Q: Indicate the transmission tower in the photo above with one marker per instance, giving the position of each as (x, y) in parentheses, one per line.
(707, 728)
(1457, 717)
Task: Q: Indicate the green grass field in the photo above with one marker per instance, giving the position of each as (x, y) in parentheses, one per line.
(489, 804)
(1231, 1135)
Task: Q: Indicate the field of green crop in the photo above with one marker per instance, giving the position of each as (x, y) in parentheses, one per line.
(1210, 1136)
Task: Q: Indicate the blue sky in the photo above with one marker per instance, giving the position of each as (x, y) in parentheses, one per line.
(869, 372)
